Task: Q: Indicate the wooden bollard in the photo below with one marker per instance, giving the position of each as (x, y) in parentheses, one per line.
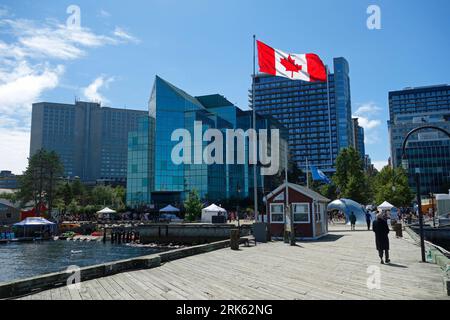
(234, 239)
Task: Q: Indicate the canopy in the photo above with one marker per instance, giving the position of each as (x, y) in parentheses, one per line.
(347, 206)
(212, 210)
(106, 210)
(385, 206)
(169, 208)
(34, 221)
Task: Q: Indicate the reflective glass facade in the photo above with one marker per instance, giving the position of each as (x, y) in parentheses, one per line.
(317, 131)
(170, 108)
(428, 151)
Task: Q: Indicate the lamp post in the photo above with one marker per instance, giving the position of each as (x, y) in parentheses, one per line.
(417, 178)
(419, 204)
(237, 207)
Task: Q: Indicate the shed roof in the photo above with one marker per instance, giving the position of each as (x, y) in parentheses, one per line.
(301, 189)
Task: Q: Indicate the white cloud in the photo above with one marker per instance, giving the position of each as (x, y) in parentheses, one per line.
(91, 92)
(367, 123)
(368, 108)
(367, 114)
(121, 33)
(14, 145)
(24, 84)
(50, 40)
(104, 13)
(380, 164)
(30, 64)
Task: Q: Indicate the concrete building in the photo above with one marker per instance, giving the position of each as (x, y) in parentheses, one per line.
(91, 140)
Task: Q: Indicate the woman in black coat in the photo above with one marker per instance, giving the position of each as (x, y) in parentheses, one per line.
(381, 229)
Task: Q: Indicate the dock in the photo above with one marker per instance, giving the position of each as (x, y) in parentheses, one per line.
(336, 267)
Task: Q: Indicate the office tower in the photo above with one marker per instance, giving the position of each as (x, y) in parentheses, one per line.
(358, 138)
(428, 151)
(90, 140)
(318, 127)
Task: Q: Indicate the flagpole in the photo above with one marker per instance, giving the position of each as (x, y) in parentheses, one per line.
(307, 173)
(255, 179)
(329, 118)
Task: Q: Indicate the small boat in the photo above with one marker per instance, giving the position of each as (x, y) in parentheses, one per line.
(76, 251)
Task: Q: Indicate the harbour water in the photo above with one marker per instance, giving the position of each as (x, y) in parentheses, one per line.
(28, 259)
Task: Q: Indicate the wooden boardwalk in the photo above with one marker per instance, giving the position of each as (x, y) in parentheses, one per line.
(333, 268)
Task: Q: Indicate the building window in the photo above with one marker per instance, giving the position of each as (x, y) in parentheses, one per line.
(276, 213)
(301, 212)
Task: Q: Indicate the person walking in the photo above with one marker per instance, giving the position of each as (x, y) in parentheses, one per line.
(368, 219)
(381, 229)
(352, 220)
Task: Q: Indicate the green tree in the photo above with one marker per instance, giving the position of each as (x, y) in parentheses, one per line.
(392, 185)
(73, 207)
(193, 206)
(102, 195)
(40, 179)
(350, 178)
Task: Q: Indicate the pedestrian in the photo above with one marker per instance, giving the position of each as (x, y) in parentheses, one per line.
(368, 219)
(352, 220)
(381, 229)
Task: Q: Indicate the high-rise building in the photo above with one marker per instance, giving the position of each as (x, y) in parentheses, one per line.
(90, 140)
(154, 178)
(428, 150)
(358, 138)
(318, 127)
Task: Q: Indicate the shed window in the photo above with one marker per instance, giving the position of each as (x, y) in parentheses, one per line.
(276, 213)
(301, 212)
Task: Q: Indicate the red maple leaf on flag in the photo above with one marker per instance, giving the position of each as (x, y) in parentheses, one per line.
(290, 65)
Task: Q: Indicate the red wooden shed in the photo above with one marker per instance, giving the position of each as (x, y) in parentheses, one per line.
(309, 210)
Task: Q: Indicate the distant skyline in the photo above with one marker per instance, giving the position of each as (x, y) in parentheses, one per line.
(206, 47)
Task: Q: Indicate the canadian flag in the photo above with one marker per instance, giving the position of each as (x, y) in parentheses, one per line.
(306, 67)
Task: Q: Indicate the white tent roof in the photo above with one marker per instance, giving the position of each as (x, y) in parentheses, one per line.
(169, 208)
(106, 210)
(214, 208)
(385, 206)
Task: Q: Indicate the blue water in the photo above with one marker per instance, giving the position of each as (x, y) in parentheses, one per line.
(28, 259)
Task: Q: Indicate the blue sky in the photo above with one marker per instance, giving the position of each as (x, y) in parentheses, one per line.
(206, 47)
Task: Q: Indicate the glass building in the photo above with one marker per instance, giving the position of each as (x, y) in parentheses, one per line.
(91, 141)
(159, 180)
(317, 130)
(358, 138)
(428, 150)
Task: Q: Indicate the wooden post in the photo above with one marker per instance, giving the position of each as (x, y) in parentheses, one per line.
(234, 239)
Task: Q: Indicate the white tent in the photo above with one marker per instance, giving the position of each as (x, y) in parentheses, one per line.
(385, 206)
(105, 212)
(211, 211)
(169, 209)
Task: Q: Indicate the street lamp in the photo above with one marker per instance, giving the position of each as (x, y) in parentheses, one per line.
(419, 202)
(417, 178)
(237, 209)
